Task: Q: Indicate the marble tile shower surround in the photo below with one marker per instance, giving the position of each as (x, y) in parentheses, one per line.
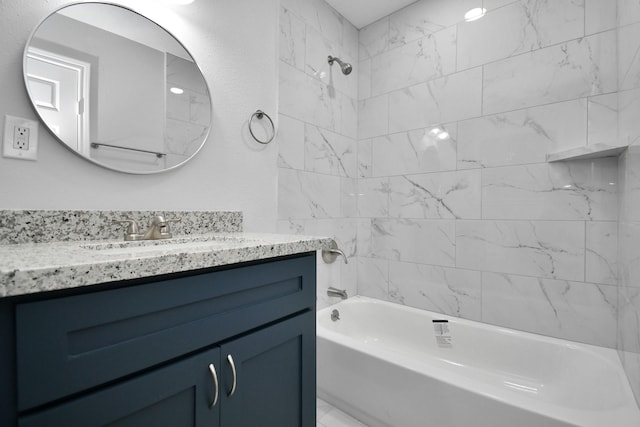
(628, 333)
(469, 219)
(628, 337)
(317, 139)
(476, 223)
(33, 226)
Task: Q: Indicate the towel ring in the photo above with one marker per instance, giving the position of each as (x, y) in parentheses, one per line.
(259, 114)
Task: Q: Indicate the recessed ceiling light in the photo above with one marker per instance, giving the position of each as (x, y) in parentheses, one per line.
(176, 90)
(474, 14)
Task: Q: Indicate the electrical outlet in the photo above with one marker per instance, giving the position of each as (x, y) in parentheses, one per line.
(20, 138)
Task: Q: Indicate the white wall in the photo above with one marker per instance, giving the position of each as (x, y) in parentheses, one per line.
(235, 46)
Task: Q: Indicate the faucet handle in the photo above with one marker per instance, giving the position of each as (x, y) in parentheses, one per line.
(159, 220)
(167, 229)
(133, 231)
(159, 228)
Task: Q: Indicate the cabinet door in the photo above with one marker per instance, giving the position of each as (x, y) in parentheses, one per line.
(176, 395)
(100, 337)
(275, 383)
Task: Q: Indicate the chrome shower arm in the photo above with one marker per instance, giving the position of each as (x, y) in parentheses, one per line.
(344, 66)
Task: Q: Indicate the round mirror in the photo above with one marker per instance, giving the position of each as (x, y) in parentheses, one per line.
(117, 89)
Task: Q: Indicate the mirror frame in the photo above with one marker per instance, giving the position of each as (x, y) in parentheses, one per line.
(205, 138)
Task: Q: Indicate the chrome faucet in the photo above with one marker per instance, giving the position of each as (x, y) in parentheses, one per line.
(330, 255)
(334, 292)
(158, 229)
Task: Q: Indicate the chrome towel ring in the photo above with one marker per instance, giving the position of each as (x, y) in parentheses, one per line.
(259, 114)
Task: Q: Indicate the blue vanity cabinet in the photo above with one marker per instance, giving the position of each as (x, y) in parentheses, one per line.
(176, 395)
(272, 383)
(275, 376)
(143, 353)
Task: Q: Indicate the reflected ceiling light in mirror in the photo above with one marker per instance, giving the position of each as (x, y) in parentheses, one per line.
(475, 14)
(439, 133)
(176, 90)
(321, 74)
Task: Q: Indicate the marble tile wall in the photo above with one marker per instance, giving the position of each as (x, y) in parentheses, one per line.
(629, 272)
(629, 192)
(428, 163)
(317, 137)
(458, 211)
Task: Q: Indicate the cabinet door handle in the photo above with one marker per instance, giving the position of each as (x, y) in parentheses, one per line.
(233, 372)
(214, 376)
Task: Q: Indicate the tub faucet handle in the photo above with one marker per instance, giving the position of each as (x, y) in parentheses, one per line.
(330, 255)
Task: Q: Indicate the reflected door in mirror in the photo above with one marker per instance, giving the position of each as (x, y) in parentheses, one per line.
(59, 86)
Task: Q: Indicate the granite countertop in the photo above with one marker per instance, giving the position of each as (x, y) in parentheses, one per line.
(27, 268)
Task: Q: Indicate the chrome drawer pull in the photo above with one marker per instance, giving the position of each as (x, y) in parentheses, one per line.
(214, 376)
(233, 372)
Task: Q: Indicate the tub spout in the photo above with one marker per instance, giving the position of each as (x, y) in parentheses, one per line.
(334, 292)
(330, 255)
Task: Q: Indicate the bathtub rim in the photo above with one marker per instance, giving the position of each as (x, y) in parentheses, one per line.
(627, 410)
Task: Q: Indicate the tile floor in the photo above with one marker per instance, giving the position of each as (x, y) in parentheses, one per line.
(330, 416)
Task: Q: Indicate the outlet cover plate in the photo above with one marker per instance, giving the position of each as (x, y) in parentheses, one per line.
(8, 149)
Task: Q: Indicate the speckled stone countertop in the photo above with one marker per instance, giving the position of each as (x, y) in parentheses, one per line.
(37, 267)
(32, 267)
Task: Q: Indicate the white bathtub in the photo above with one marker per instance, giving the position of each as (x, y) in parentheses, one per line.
(380, 363)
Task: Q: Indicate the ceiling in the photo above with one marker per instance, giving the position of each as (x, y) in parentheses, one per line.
(363, 12)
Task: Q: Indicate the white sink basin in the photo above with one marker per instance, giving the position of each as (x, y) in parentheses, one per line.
(162, 244)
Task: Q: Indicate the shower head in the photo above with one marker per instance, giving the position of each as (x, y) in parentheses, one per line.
(345, 66)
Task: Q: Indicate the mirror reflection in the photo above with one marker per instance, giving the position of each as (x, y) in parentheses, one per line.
(117, 89)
